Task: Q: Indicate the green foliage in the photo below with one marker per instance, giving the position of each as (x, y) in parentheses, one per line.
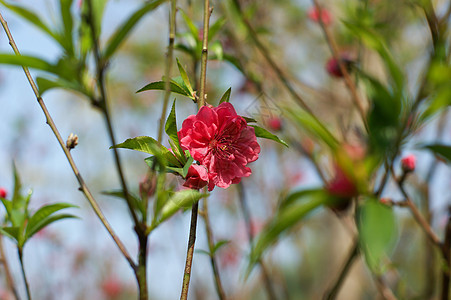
(24, 224)
(263, 133)
(226, 96)
(124, 29)
(183, 199)
(377, 232)
(292, 211)
(442, 151)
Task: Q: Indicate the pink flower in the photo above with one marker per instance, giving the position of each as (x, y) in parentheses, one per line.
(222, 141)
(111, 287)
(313, 15)
(408, 163)
(197, 177)
(3, 192)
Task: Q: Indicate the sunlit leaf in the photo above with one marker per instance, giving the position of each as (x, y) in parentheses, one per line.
(31, 17)
(263, 133)
(289, 215)
(179, 200)
(377, 232)
(226, 97)
(11, 232)
(45, 84)
(161, 86)
(185, 77)
(124, 29)
(35, 223)
(28, 61)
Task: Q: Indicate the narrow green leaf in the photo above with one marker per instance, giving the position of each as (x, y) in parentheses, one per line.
(192, 28)
(35, 222)
(17, 197)
(160, 85)
(263, 133)
(124, 29)
(8, 206)
(179, 200)
(49, 220)
(219, 245)
(249, 120)
(175, 170)
(171, 125)
(144, 144)
(226, 98)
(377, 232)
(28, 61)
(11, 232)
(45, 84)
(184, 77)
(442, 151)
(31, 17)
(188, 163)
(200, 251)
(314, 126)
(66, 16)
(286, 218)
(135, 201)
(214, 29)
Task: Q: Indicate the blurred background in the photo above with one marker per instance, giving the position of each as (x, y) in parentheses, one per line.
(76, 259)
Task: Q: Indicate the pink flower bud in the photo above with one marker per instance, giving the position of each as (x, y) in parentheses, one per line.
(3, 192)
(314, 15)
(333, 68)
(341, 185)
(275, 124)
(111, 287)
(408, 163)
(197, 177)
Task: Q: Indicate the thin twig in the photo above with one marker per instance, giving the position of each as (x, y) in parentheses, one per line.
(383, 289)
(27, 286)
(103, 104)
(169, 59)
(335, 53)
(8, 276)
(190, 252)
(201, 102)
(211, 246)
(447, 256)
(332, 292)
(83, 187)
(250, 234)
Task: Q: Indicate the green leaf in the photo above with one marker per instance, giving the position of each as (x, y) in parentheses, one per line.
(31, 17)
(17, 198)
(160, 85)
(442, 151)
(179, 200)
(219, 245)
(313, 125)
(124, 29)
(249, 120)
(200, 251)
(45, 84)
(171, 125)
(188, 163)
(135, 201)
(65, 8)
(377, 232)
(35, 223)
(192, 28)
(11, 232)
(8, 206)
(214, 29)
(28, 61)
(217, 50)
(185, 77)
(286, 218)
(49, 221)
(226, 98)
(144, 144)
(263, 133)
